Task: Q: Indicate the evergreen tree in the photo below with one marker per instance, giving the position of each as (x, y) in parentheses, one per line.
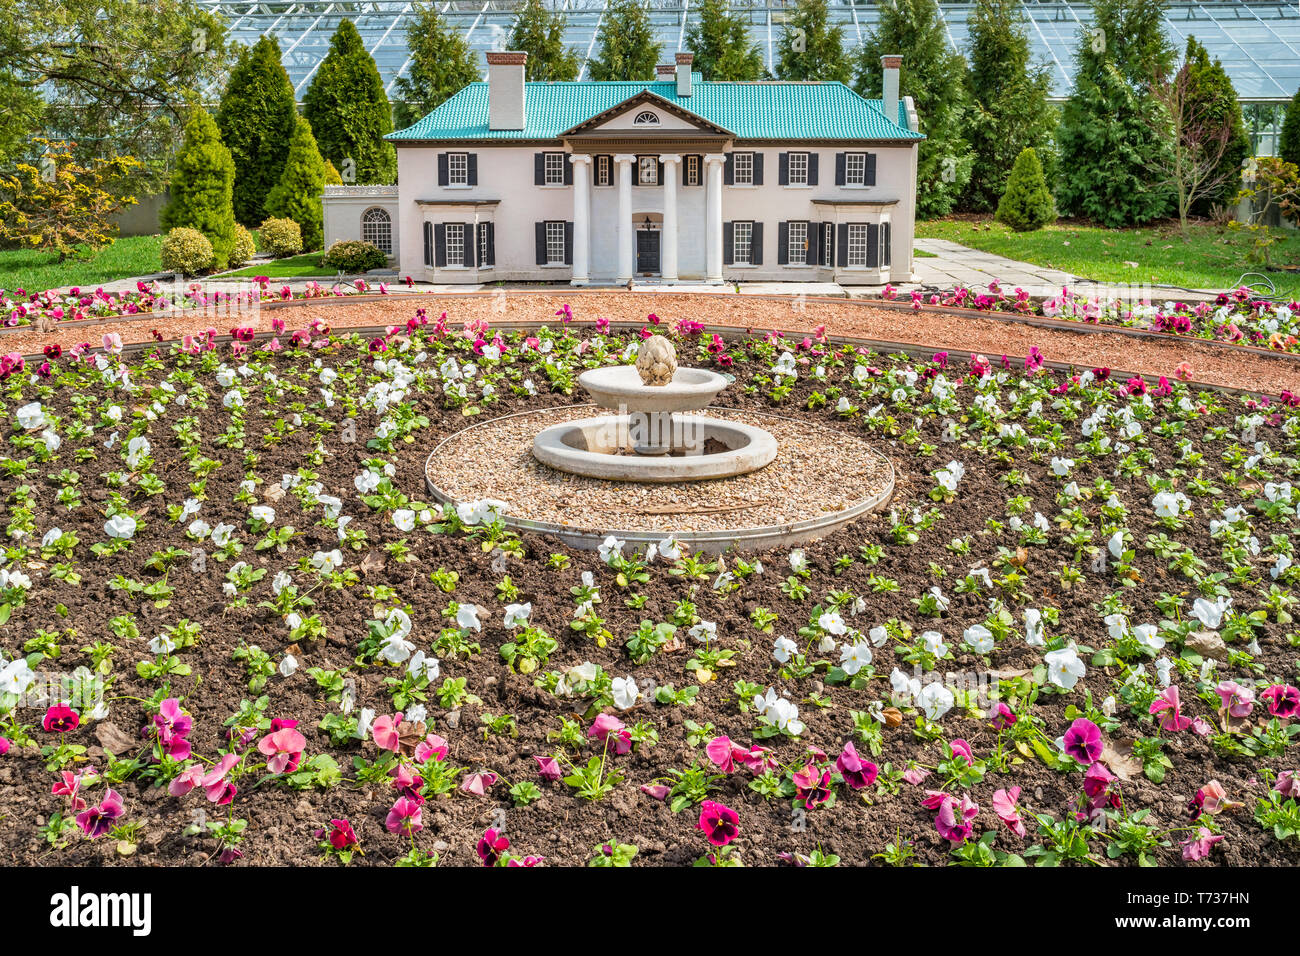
(256, 118)
(812, 49)
(628, 50)
(441, 64)
(540, 33)
(1107, 123)
(931, 75)
(1027, 204)
(1106, 131)
(349, 110)
(1008, 101)
(297, 195)
(202, 186)
(1288, 145)
(721, 44)
(1215, 101)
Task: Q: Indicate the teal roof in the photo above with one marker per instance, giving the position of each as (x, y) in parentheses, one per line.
(760, 110)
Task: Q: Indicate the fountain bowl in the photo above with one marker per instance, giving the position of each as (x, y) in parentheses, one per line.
(620, 387)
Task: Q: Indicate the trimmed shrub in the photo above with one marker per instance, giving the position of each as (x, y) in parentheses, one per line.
(201, 188)
(297, 195)
(186, 251)
(1027, 204)
(354, 256)
(244, 249)
(281, 237)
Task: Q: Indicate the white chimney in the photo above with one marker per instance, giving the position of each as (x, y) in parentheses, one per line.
(506, 89)
(684, 61)
(889, 89)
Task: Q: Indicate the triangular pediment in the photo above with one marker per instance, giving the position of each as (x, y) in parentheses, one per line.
(647, 112)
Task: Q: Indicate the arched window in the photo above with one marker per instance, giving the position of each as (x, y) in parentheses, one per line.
(646, 118)
(377, 228)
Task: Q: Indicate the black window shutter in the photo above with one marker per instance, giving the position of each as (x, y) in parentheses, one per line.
(469, 235)
(539, 169)
(440, 245)
(660, 175)
(782, 241)
(726, 244)
(871, 169)
(814, 232)
(756, 243)
(783, 170)
(471, 168)
(812, 169)
(842, 241)
(568, 243)
(491, 259)
(758, 169)
(729, 170)
(541, 242)
(873, 245)
(443, 179)
(428, 243)
(839, 169)
(886, 245)
(568, 170)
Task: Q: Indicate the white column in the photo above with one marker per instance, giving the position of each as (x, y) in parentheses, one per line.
(713, 216)
(581, 218)
(625, 261)
(668, 255)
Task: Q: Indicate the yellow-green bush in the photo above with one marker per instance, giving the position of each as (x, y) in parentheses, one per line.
(244, 249)
(281, 237)
(186, 251)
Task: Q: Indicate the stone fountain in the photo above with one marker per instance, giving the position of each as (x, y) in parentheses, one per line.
(649, 438)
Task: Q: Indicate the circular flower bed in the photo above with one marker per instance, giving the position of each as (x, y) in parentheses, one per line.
(236, 629)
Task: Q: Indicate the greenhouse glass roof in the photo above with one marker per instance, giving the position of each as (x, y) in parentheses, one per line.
(1258, 43)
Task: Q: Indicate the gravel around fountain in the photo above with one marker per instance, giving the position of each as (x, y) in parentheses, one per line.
(817, 472)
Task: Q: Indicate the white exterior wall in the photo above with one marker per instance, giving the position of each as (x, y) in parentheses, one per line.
(343, 207)
(505, 173)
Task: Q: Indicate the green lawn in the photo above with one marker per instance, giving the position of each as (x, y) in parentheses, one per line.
(37, 271)
(1210, 258)
(307, 264)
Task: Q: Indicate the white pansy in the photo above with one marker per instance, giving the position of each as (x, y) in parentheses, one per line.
(50, 537)
(1210, 613)
(611, 549)
(423, 667)
(221, 534)
(935, 700)
(854, 657)
(121, 527)
(950, 475)
(467, 617)
(1148, 635)
(327, 562)
(517, 615)
(798, 561)
(832, 623)
(31, 417)
(1034, 627)
(704, 632)
(262, 513)
(624, 692)
(404, 519)
(879, 635)
(783, 649)
(161, 644)
(288, 666)
(1061, 466)
(16, 677)
(980, 638)
(933, 643)
(1064, 668)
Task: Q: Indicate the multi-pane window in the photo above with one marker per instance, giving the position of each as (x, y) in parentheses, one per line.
(798, 243)
(647, 170)
(377, 229)
(455, 241)
(604, 170)
(741, 238)
(458, 169)
(742, 169)
(555, 243)
(798, 171)
(554, 169)
(828, 243)
(483, 262)
(692, 171)
(857, 253)
(855, 169)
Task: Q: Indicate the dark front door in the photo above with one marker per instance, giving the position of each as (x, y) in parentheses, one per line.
(647, 251)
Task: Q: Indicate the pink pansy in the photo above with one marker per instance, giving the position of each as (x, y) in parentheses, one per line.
(812, 786)
(1211, 799)
(960, 748)
(611, 731)
(407, 782)
(404, 818)
(1004, 805)
(1083, 741)
(431, 747)
(857, 773)
(1283, 700)
(722, 752)
(1097, 780)
(67, 786)
(283, 748)
(954, 818)
(1202, 727)
(384, 731)
(478, 783)
(1288, 784)
(1003, 716)
(220, 790)
(96, 821)
(757, 759)
(186, 780)
(548, 768)
(656, 791)
(491, 845)
(1238, 701)
(914, 775)
(4, 746)
(1199, 846)
(720, 824)
(1169, 704)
